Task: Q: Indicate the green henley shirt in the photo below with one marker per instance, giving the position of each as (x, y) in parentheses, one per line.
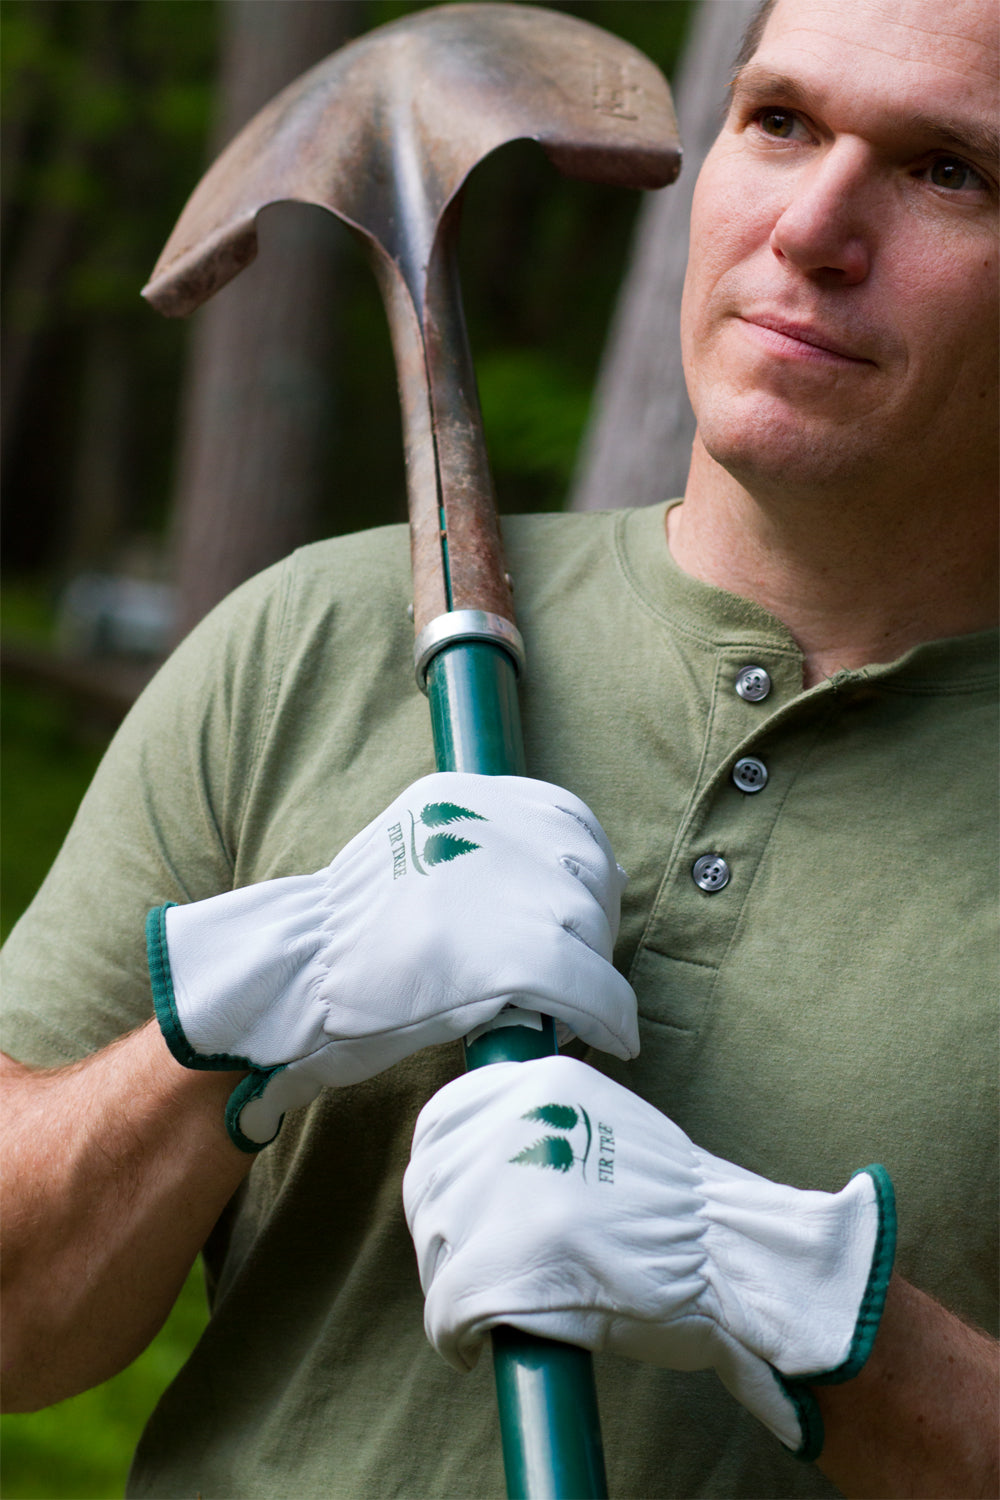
(833, 1004)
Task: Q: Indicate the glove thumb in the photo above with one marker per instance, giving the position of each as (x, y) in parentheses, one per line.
(259, 1102)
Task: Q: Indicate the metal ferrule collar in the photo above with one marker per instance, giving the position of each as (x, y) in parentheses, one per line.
(465, 625)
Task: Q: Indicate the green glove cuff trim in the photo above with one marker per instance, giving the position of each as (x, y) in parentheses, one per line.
(865, 1329)
(247, 1089)
(165, 1005)
(873, 1301)
(809, 1417)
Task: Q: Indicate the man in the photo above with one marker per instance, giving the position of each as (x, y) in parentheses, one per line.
(784, 719)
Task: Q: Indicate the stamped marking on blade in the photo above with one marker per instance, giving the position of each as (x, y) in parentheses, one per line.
(615, 89)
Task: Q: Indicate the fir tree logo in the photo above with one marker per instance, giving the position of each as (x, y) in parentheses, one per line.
(555, 1152)
(440, 848)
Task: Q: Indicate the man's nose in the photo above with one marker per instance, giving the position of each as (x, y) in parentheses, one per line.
(826, 227)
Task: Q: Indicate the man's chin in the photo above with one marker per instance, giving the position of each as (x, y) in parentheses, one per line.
(764, 449)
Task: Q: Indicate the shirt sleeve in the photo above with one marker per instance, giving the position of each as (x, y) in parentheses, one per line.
(159, 822)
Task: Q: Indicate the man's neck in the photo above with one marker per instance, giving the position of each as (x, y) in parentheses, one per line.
(856, 579)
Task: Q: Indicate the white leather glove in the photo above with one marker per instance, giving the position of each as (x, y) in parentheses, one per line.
(467, 893)
(545, 1196)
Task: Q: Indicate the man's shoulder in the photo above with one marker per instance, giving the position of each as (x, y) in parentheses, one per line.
(389, 545)
(372, 568)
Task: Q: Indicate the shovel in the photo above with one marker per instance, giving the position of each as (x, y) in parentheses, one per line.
(384, 134)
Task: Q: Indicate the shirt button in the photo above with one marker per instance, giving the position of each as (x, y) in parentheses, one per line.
(710, 872)
(753, 684)
(750, 774)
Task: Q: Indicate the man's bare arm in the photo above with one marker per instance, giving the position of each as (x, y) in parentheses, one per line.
(921, 1420)
(115, 1170)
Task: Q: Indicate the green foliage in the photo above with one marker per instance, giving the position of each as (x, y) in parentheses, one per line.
(552, 1151)
(105, 110)
(435, 814)
(534, 411)
(110, 104)
(26, 613)
(559, 1116)
(47, 763)
(46, 767)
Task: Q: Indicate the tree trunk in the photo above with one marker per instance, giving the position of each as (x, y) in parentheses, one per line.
(637, 446)
(256, 408)
(97, 522)
(35, 270)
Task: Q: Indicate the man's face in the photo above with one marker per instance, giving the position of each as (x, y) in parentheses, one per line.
(839, 321)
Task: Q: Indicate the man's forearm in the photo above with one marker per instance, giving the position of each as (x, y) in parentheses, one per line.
(921, 1420)
(115, 1170)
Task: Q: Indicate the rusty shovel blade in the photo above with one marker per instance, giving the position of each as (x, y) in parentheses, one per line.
(385, 131)
(384, 134)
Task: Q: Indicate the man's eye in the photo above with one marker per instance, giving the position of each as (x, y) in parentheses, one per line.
(782, 124)
(953, 172)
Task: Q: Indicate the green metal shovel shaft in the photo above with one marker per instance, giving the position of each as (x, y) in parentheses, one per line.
(549, 1424)
(546, 1399)
(475, 717)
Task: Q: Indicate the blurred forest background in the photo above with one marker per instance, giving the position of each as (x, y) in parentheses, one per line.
(148, 465)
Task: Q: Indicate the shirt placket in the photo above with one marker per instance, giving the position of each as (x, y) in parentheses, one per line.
(759, 732)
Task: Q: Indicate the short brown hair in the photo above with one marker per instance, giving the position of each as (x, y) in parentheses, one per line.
(752, 35)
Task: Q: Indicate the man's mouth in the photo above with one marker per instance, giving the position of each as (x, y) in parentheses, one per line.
(791, 340)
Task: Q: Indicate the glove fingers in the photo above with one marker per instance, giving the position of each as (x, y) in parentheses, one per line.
(581, 911)
(605, 882)
(457, 1333)
(601, 1006)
